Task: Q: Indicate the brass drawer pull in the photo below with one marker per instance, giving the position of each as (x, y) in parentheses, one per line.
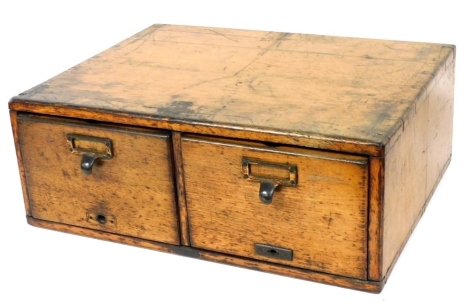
(87, 163)
(266, 191)
(92, 148)
(270, 176)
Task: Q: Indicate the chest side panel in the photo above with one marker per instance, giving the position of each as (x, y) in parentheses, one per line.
(415, 164)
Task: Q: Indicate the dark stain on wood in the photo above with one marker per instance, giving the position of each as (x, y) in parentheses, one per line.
(186, 251)
(176, 108)
(33, 91)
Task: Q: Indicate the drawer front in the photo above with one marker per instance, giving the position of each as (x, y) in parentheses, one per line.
(315, 219)
(128, 189)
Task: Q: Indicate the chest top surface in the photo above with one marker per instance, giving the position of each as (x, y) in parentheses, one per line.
(303, 84)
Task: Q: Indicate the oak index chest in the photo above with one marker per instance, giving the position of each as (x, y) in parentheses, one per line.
(302, 155)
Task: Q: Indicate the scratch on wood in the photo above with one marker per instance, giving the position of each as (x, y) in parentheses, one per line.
(329, 221)
(207, 81)
(215, 32)
(269, 88)
(112, 104)
(240, 116)
(420, 68)
(217, 111)
(151, 32)
(127, 53)
(326, 178)
(250, 83)
(281, 37)
(392, 48)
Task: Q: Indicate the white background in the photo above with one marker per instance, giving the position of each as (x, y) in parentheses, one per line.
(40, 40)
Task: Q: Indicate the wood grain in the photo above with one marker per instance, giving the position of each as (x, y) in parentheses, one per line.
(24, 186)
(103, 235)
(133, 190)
(180, 187)
(323, 219)
(403, 244)
(240, 132)
(376, 215)
(369, 286)
(416, 161)
(368, 123)
(440, 125)
(215, 257)
(308, 86)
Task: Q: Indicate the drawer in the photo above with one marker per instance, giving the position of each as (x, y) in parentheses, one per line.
(316, 218)
(128, 189)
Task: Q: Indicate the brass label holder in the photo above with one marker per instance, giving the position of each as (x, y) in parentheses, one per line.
(290, 170)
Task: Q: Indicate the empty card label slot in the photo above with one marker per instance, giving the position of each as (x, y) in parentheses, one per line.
(261, 170)
(85, 144)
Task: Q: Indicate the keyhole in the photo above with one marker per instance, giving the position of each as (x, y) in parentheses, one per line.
(273, 252)
(101, 219)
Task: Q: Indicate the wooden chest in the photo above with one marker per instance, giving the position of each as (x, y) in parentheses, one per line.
(302, 155)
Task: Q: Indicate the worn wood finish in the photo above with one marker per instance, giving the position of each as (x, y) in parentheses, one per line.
(415, 163)
(180, 186)
(212, 256)
(24, 187)
(133, 190)
(367, 122)
(323, 219)
(420, 214)
(240, 132)
(370, 286)
(103, 235)
(376, 212)
(318, 85)
(440, 98)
